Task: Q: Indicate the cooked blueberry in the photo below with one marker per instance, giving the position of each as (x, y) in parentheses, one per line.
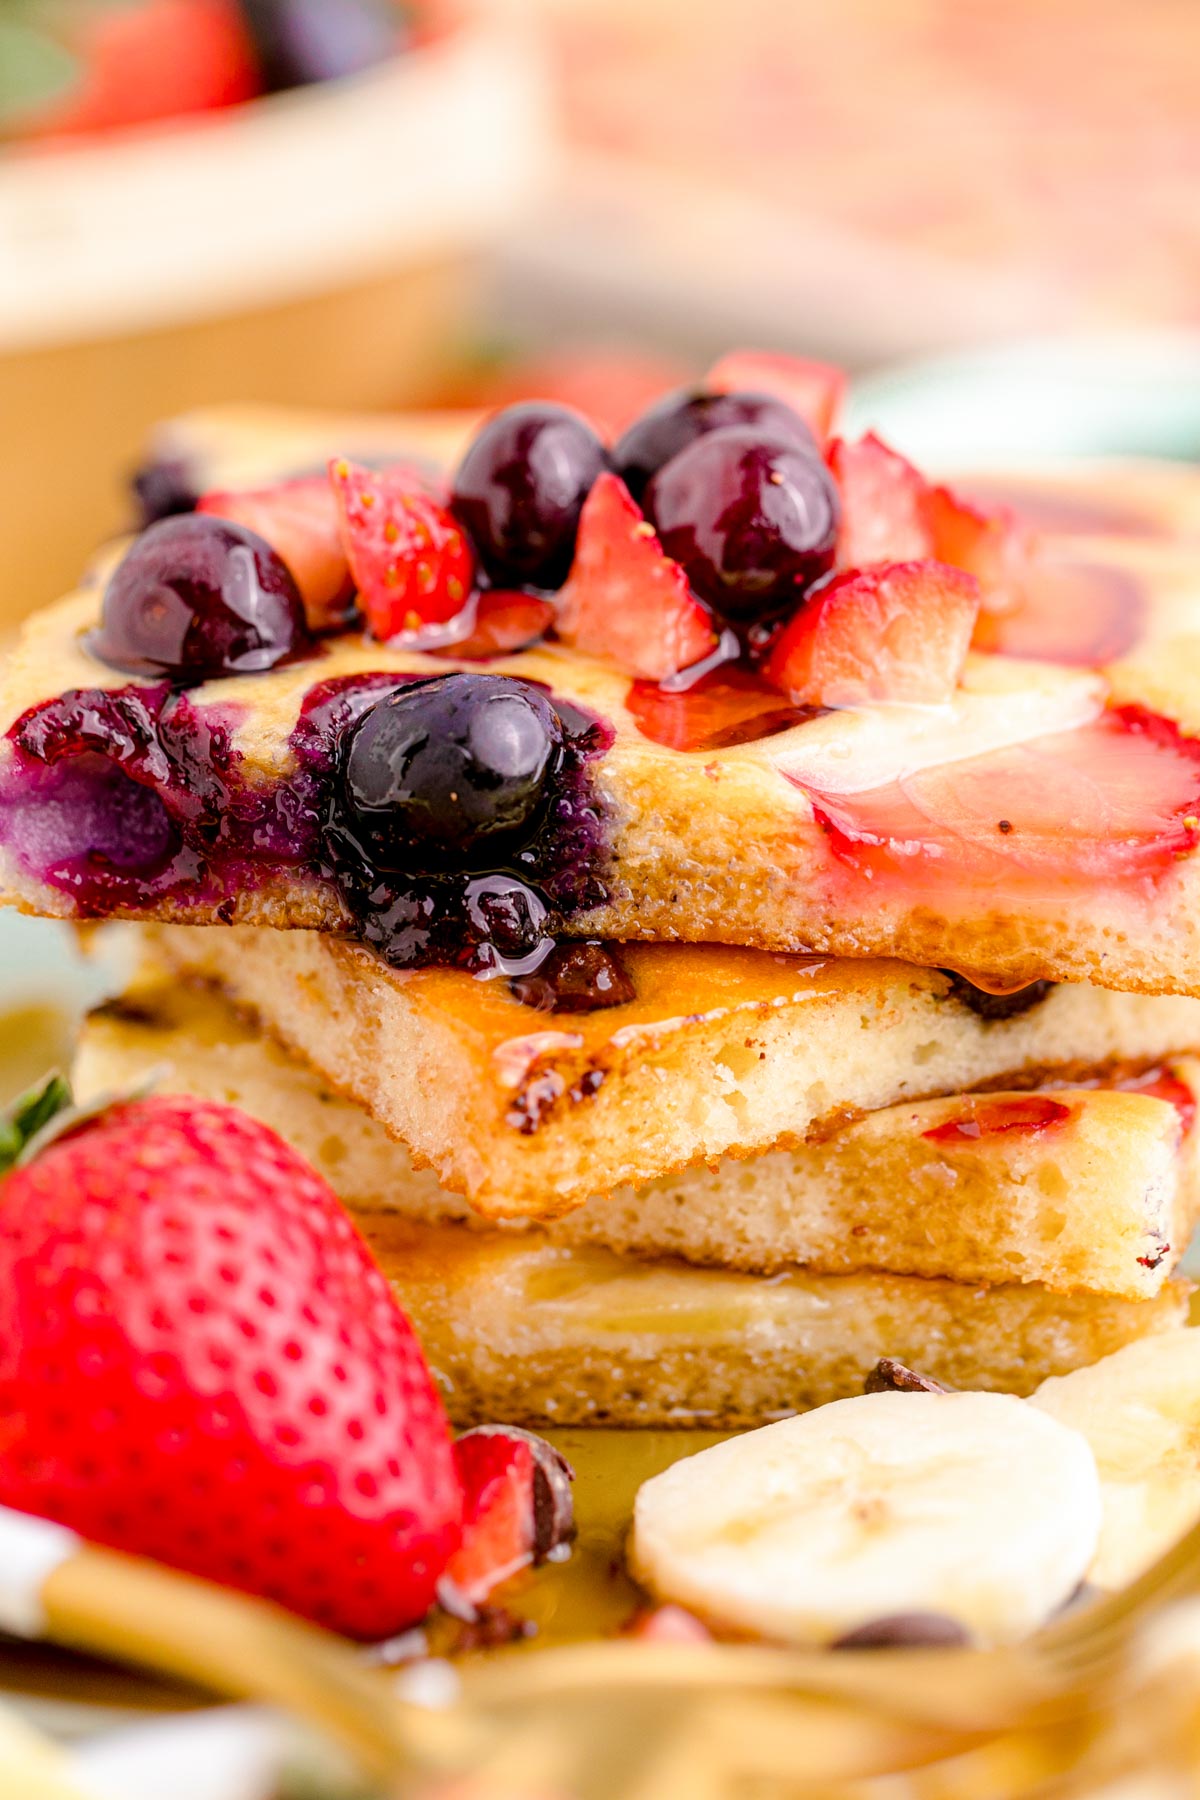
(164, 488)
(682, 417)
(505, 913)
(196, 598)
(753, 522)
(996, 1006)
(449, 770)
(520, 488)
(302, 41)
(577, 977)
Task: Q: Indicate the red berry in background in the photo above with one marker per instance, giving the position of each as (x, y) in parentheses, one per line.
(894, 631)
(146, 61)
(624, 600)
(200, 1363)
(409, 556)
(815, 390)
(299, 519)
(517, 1507)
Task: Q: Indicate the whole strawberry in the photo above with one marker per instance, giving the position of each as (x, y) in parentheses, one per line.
(200, 1363)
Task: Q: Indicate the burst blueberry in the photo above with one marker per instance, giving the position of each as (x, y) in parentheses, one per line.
(450, 773)
(196, 598)
(520, 489)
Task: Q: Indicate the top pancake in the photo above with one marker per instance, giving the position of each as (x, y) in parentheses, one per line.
(1023, 831)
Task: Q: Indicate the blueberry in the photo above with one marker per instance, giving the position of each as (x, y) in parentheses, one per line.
(520, 489)
(449, 772)
(196, 598)
(753, 522)
(510, 916)
(303, 41)
(682, 417)
(163, 488)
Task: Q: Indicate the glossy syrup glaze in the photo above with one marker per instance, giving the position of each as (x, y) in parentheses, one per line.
(1034, 1113)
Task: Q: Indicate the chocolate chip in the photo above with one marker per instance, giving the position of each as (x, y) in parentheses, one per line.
(892, 1377)
(906, 1631)
(996, 1006)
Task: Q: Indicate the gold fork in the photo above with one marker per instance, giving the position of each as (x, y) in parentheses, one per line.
(855, 1712)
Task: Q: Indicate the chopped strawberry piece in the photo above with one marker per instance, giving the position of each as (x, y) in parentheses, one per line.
(669, 1625)
(988, 545)
(517, 1507)
(503, 622)
(883, 504)
(897, 631)
(813, 389)
(1111, 801)
(299, 519)
(625, 599)
(994, 1118)
(1081, 613)
(410, 559)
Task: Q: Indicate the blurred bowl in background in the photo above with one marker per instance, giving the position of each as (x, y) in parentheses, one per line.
(1126, 393)
(318, 247)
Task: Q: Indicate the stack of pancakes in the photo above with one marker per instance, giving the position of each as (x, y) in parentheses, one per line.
(725, 1198)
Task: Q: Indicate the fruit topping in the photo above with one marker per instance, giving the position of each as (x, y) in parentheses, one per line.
(883, 504)
(906, 1631)
(520, 489)
(303, 41)
(163, 488)
(196, 598)
(815, 390)
(1111, 800)
(730, 705)
(680, 418)
(451, 768)
(892, 1377)
(1067, 611)
(987, 544)
(1000, 1005)
(1139, 1409)
(585, 976)
(517, 1507)
(498, 623)
(875, 1507)
(994, 1118)
(668, 1625)
(299, 519)
(624, 600)
(753, 522)
(200, 1363)
(410, 560)
(896, 631)
(1161, 1084)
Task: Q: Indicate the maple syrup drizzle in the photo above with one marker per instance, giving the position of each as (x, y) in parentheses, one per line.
(730, 705)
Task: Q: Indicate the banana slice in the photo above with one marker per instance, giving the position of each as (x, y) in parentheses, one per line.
(972, 1505)
(1139, 1409)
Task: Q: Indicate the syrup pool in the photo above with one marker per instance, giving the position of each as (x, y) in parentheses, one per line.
(730, 705)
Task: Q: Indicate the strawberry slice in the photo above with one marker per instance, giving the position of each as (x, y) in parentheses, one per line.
(625, 599)
(503, 622)
(996, 1118)
(517, 1508)
(668, 1624)
(987, 544)
(897, 631)
(813, 389)
(409, 557)
(883, 504)
(1112, 801)
(299, 519)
